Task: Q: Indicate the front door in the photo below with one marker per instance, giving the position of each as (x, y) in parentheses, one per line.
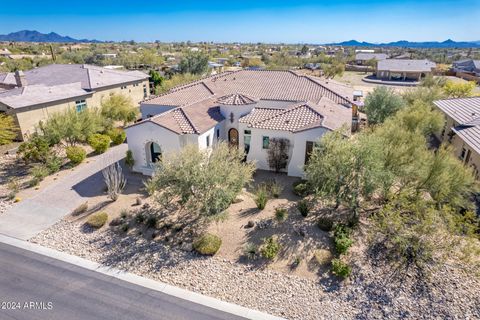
(233, 137)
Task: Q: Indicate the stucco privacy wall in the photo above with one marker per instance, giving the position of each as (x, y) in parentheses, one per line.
(134, 90)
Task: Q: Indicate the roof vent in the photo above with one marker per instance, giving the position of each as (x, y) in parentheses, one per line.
(473, 114)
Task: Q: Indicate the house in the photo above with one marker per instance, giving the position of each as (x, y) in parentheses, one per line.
(246, 108)
(400, 69)
(362, 58)
(469, 66)
(33, 95)
(462, 129)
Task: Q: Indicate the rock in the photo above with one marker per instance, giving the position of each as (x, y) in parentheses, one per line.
(116, 222)
(250, 224)
(138, 202)
(186, 247)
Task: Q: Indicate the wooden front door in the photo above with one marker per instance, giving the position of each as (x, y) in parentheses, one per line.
(233, 137)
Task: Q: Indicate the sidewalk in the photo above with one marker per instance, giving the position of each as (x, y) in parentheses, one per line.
(31, 216)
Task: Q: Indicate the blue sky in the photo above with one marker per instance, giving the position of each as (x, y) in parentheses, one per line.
(300, 21)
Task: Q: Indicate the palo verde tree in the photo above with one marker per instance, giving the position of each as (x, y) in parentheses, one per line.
(277, 154)
(194, 63)
(205, 181)
(118, 107)
(381, 103)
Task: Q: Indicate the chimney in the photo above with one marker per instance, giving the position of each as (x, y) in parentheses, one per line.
(20, 79)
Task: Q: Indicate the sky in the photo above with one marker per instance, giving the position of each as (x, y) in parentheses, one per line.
(301, 21)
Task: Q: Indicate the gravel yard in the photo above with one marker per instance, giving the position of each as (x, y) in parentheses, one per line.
(372, 291)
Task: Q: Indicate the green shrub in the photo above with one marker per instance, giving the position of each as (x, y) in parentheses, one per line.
(76, 154)
(99, 142)
(270, 248)
(342, 238)
(117, 136)
(341, 268)
(124, 227)
(281, 214)
(322, 256)
(261, 198)
(300, 188)
(53, 163)
(151, 221)
(325, 223)
(207, 244)
(129, 161)
(36, 149)
(97, 220)
(250, 250)
(80, 209)
(139, 218)
(14, 187)
(303, 207)
(39, 172)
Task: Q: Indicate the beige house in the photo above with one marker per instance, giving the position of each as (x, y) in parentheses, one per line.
(404, 70)
(33, 95)
(462, 129)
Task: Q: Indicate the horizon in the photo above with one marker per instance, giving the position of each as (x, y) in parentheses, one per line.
(306, 21)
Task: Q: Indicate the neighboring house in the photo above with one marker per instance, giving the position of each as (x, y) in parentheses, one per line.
(246, 108)
(362, 58)
(33, 95)
(462, 129)
(404, 69)
(467, 66)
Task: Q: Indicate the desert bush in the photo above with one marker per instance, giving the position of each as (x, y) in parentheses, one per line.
(36, 149)
(303, 207)
(270, 248)
(250, 250)
(207, 244)
(75, 154)
(39, 172)
(97, 220)
(117, 136)
(124, 214)
(151, 221)
(139, 218)
(124, 227)
(325, 223)
(8, 129)
(13, 187)
(53, 163)
(340, 268)
(80, 209)
(273, 187)
(322, 256)
(281, 214)
(342, 238)
(99, 142)
(115, 180)
(129, 161)
(118, 107)
(261, 198)
(300, 188)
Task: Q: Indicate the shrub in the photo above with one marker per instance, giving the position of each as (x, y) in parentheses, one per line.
(303, 207)
(97, 220)
(129, 161)
(341, 268)
(124, 227)
(274, 188)
(251, 250)
(325, 223)
(300, 188)
(13, 186)
(39, 172)
(99, 142)
(53, 163)
(207, 244)
(124, 214)
(75, 154)
(261, 198)
(322, 256)
(139, 218)
(151, 221)
(342, 238)
(270, 248)
(281, 214)
(36, 149)
(80, 209)
(117, 136)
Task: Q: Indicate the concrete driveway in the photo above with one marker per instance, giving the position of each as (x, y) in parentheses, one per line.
(31, 216)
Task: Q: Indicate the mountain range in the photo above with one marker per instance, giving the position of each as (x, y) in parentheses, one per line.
(35, 36)
(408, 44)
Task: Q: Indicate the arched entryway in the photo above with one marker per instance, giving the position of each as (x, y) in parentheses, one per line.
(154, 152)
(233, 137)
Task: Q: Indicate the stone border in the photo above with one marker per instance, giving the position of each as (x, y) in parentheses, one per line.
(141, 281)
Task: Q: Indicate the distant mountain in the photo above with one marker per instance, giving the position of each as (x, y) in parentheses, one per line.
(35, 36)
(404, 43)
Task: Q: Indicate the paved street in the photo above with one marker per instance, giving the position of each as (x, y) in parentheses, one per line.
(77, 293)
(31, 216)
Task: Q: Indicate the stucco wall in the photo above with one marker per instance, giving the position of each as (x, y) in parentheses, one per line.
(133, 90)
(297, 162)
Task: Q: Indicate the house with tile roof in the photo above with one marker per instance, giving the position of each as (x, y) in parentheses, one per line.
(245, 108)
(362, 58)
(462, 129)
(33, 95)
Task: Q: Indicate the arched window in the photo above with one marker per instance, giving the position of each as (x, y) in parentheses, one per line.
(154, 152)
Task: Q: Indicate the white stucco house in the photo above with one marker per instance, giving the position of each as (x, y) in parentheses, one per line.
(245, 108)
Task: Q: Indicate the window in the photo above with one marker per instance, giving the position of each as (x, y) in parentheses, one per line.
(464, 152)
(144, 90)
(218, 133)
(208, 141)
(308, 150)
(80, 105)
(246, 142)
(123, 87)
(265, 142)
(247, 132)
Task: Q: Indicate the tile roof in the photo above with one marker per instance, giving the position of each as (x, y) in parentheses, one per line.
(260, 84)
(236, 99)
(38, 94)
(466, 112)
(90, 77)
(406, 65)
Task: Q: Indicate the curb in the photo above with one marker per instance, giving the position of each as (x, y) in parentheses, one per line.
(141, 281)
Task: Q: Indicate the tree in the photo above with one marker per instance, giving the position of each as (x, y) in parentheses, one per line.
(176, 80)
(277, 154)
(381, 103)
(333, 69)
(8, 129)
(457, 89)
(194, 63)
(156, 78)
(118, 107)
(304, 50)
(205, 181)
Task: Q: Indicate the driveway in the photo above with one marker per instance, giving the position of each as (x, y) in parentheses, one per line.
(40, 287)
(31, 216)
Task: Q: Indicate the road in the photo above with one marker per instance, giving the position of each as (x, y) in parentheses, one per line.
(65, 291)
